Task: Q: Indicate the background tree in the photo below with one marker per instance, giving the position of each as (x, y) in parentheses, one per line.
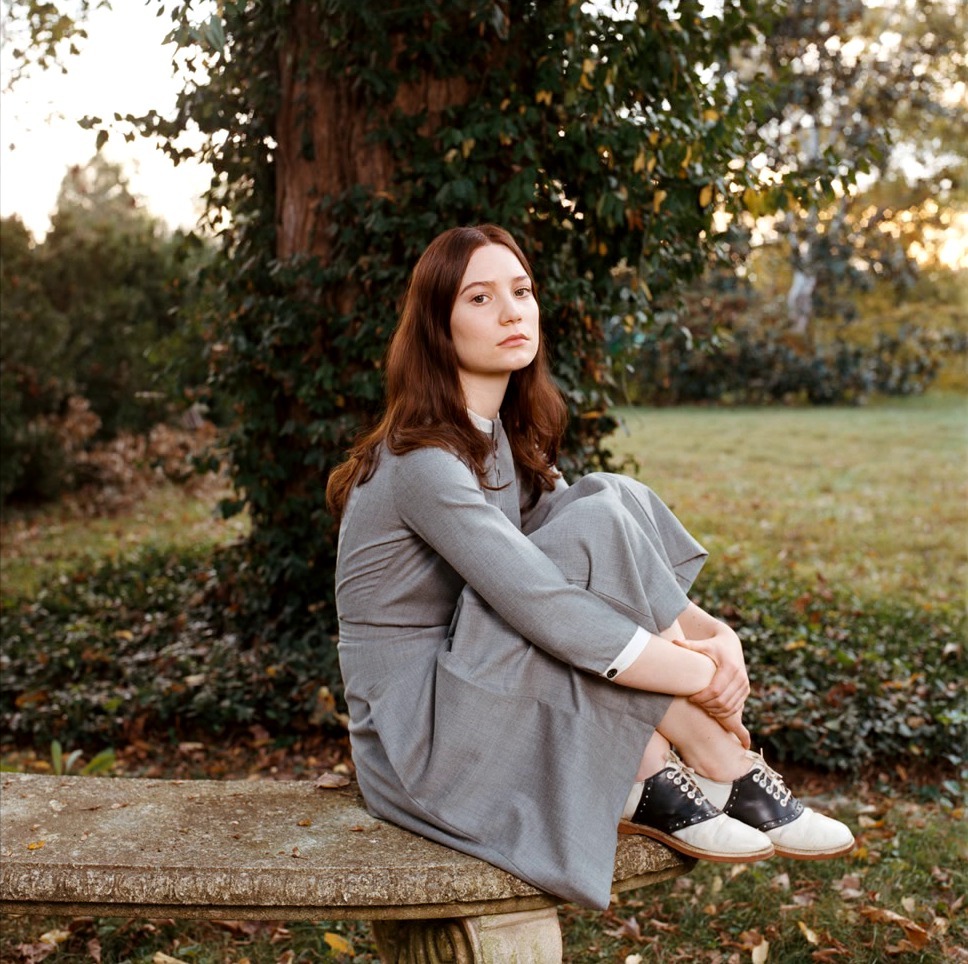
(883, 87)
(30, 329)
(100, 309)
(345, 136)
(118, 275)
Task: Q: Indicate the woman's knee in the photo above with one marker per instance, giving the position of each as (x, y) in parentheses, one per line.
(591, 521)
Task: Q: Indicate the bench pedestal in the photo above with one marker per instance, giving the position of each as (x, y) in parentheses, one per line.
(263, 850)
(525, 937)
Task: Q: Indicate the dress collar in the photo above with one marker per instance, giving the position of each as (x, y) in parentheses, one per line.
(484, 424)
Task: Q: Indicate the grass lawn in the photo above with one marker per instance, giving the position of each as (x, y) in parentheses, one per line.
(872, 497)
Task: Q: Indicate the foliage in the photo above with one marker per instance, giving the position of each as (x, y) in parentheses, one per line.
(839, 682)
(44, 33)
(883, 87)
(62, 766)
(142, 644)
(737, 352)
(98, 310)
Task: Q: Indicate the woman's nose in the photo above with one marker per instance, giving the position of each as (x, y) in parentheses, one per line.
(510, 311)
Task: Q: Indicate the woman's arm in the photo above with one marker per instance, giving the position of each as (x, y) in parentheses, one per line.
(688, 668)
(726, 693)
(440, 500)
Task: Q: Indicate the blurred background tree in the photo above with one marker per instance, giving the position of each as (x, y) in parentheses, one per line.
(883, 87)
(850, 289)
(96, 311)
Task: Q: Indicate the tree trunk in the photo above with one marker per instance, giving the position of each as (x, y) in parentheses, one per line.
(323, 129)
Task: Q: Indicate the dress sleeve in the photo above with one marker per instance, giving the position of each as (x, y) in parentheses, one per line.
(438, 498)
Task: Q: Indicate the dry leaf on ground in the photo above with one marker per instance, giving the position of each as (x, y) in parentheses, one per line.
(915, 933)
(327, 780)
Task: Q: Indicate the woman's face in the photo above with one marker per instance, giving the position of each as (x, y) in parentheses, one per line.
(494, 321)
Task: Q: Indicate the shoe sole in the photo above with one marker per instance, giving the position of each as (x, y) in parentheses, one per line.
(815, 854)
(627, 827)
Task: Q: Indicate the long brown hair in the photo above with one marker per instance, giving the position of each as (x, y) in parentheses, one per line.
(425, 405)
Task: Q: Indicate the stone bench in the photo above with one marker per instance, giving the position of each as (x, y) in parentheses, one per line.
(260, 850)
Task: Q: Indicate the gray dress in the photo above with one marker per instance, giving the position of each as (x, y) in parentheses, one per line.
(473, 639)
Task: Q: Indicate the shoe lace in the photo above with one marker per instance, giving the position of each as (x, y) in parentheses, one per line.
(684, 777)
(771, 781)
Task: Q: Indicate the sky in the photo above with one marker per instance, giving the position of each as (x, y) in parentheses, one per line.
(123, 67)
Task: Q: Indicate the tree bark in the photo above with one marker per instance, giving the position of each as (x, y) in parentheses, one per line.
(324, 128)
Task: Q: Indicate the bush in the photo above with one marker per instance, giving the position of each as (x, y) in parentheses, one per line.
(751, 367)
(103, 309)
(840, 682)
(721, 357)
(148, 644)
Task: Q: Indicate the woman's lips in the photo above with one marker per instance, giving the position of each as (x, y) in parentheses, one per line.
(513, 340)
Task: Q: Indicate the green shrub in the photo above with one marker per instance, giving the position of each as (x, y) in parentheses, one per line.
(145, 644)
(724, 359)
(839, 681)
(150, 643)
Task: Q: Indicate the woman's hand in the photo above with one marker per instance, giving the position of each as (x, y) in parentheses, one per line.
(734, 724)
(726, 693)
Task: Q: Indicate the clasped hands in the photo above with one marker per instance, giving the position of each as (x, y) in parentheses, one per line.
(725, 696)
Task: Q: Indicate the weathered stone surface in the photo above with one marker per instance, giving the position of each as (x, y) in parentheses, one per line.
(249, 850)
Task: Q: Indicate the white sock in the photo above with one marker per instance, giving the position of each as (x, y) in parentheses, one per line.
(716, 793)
(635, 795)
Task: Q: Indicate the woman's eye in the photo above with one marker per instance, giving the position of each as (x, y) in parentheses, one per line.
(478, 299)
(523, 292)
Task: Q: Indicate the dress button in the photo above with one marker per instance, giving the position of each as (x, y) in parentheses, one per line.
(612, 673)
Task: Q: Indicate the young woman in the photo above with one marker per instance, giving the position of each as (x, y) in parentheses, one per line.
(519, 655)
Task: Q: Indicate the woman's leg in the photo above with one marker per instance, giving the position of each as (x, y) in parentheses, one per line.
(700, 741)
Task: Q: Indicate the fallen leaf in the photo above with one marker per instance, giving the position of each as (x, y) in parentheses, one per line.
(162, 958)
(338, 943)
(810, 935)
(33, 953)
(761, 952)
(36, 845)
(244, 927)
(849, 887)
(327, 780)
(915, 933)
(628, 928)
(305, 823)
(633, 959)
(780, 882)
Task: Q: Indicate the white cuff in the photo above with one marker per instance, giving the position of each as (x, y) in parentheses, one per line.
(630, 654)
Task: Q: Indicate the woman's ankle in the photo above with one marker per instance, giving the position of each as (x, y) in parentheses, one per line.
(720, 767)
(654, 758)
